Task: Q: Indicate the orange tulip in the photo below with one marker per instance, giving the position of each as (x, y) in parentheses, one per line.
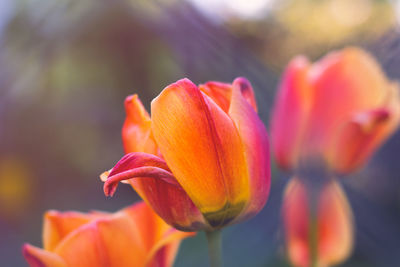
(134, 236)
(327, 235)
(202, 160)
(340, 108)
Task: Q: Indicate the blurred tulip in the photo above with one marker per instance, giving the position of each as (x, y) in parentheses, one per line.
(202, 158)
(324, 236)
(134, 236)
(341, 108)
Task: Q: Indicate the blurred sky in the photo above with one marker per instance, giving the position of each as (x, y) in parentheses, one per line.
(66, 67)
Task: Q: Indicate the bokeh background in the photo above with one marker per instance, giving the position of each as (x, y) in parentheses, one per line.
(66, 67)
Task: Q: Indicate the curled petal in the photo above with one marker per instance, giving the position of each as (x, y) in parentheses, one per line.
(151, 178)
(137, 165)
(202, 147)
(141, 172)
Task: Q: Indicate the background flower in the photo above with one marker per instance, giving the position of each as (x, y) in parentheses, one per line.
(324, 232)
(134, 236)
(340, 108)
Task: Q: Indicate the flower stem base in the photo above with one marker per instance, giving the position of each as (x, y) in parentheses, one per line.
(214, 240)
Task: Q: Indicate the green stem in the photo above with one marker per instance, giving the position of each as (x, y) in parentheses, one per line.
(313, 241)
(214, 239)
(313, 227)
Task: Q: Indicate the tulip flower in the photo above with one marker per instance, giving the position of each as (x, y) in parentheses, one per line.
(340, 108)
(202, 160)
(134, 236)
(321, 238)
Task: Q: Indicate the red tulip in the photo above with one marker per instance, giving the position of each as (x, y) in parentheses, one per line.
(340, 108)
(326, 234)
(134, 236)
(202, 160)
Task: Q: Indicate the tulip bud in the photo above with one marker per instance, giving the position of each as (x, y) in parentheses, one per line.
(318, 224)
(206, 160)
(340, 108)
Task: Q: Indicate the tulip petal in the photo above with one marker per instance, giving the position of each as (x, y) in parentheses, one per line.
(296, 220)
(136, 131)
(256, 147)
(161, 191)
(160, 241)
(171, 203)
(201, 146)
(334, 224)
(345, 83)
(134, 236)
(291, 112)
(131, 237)
(360, 137)
(165, 249)
(137, 165)
(104, 242)
(221, 93)
(246, 91)
(37, 257)
(57, 225)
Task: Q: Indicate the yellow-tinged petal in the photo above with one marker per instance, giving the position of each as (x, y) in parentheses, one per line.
(134, 236)
(203, 149)
(136, 132)
(102, 243)
(37, 257)
(137, 137)
(57, 225)
(256, 147)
